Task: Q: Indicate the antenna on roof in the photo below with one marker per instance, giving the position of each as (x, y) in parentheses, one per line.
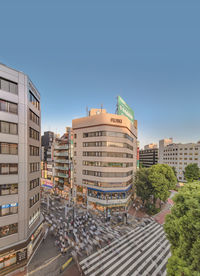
(86, 111)
(101, 107)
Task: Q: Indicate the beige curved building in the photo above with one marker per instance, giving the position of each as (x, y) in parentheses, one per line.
(105, 156)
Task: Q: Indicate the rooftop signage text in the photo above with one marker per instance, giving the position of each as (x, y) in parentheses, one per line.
(116, 120)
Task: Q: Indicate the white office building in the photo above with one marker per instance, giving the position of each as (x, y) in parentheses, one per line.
(179, 155)
(21, 225)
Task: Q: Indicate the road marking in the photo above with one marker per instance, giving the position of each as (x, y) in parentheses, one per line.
(42, 266)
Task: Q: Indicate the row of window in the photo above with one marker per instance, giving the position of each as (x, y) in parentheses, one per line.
(34, 134)
(8, 107)
(107, 133)
(34, 151)
(34, 199)
(107, 164)
(9, 128)
(8, 148)
(107, 174)
(8, 230)
(8, 209)
(34, 183)
(107, 154)
(107, 144)
(107, 184)
(34, 167)
(34, 217)
(8, 168)
(34, 118)
(8, 189)
(167, 150)
(34, 100)
(8, 86)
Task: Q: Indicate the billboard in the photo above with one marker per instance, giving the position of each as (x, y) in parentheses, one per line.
(124, 109)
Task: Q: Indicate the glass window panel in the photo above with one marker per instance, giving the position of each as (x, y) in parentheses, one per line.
(4, 127)
(13, 88)
(3, 105)
(4, 85)
(13, 128)
(13, 108)
(4, 148)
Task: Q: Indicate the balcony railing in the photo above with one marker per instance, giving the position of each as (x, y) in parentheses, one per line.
(61, 175)
(61, 154)
(61, 161)
(61, 168)
(61, 147)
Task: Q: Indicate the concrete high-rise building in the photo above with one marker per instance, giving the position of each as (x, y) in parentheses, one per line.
(179, 155)
(63, 172)
(105, 159)
(149, 155)
(21, 226)
(162, 144)
(47, 156)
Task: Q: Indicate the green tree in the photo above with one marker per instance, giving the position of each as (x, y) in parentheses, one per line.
(162, 179)
(143, 187)
(174, 170)
(182, 227)
(192, 172)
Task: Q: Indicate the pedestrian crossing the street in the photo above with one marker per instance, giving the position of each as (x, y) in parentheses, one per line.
(142, 251)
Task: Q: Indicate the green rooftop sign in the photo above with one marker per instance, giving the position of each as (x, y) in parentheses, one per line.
(124, 109)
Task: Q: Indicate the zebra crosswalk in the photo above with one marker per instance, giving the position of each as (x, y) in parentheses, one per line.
(143, 251)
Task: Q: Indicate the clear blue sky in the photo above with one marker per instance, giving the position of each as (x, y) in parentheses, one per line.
(84, 53)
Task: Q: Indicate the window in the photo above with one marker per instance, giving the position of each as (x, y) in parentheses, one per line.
(107, 144)
(8, 86)
(34, 100)
(34, 199)
(34, 167)
(34, 217)
(8, 148)
(7, 127)
(8, 107)
(107, 184)
(34, 151)
(8, 230)
(107, 174)
(107, 164)
(75, 136)
(34, 118)
(34, 183)
(34, 134)
(8, 189)
(107, 133)
(8, 168)
(8, 209)
(107, 154)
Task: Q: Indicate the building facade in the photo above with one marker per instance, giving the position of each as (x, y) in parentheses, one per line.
(63, 171)
(47, 157)
(21, 225)
(179, 155)
(105, 159)
(149, 155)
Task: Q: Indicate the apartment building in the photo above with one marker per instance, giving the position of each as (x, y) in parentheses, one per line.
(47, 156)
(149, 155)
(105, 159)
(63, 172)
(179, 155)
(21, 226)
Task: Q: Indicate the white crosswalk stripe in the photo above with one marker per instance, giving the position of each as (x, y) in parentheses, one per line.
(143, 251)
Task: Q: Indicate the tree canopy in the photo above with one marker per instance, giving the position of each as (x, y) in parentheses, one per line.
(182, 227)
(154, 183)
(192, 172)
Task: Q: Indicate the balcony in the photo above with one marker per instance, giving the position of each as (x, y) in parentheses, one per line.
(108, 201)
(61, 175)
(61, 161)
(64, 153)
(61, 147)
(61, 168)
